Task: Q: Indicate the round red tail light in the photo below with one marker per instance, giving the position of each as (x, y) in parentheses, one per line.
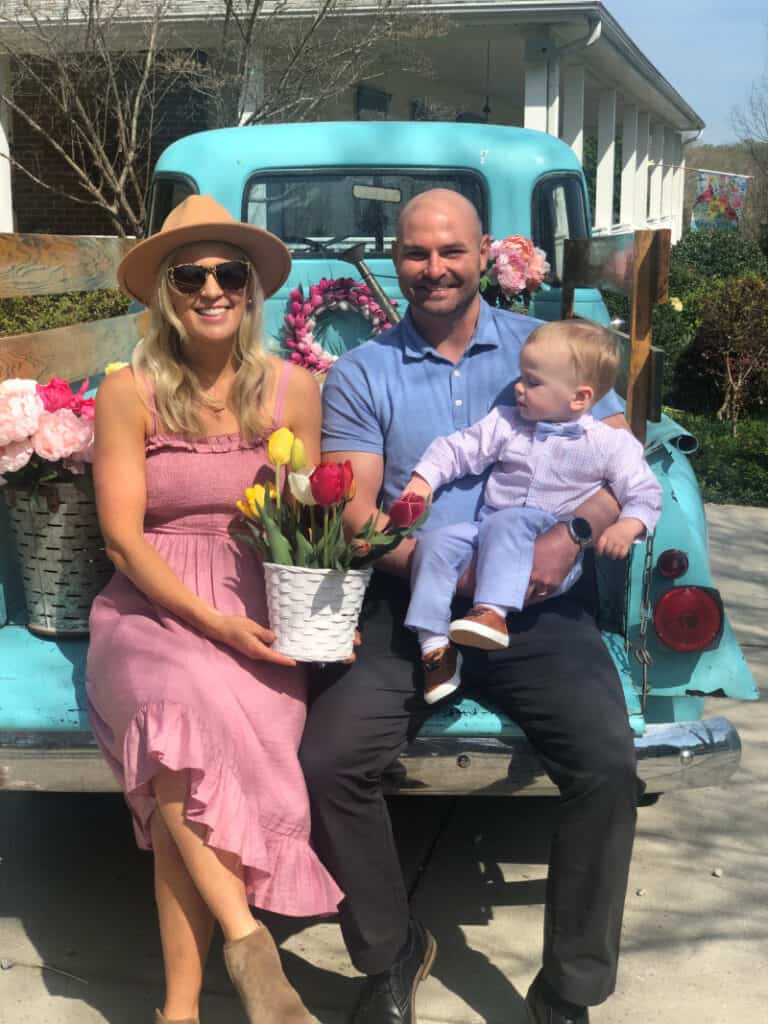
(672, 564)
(688, 618)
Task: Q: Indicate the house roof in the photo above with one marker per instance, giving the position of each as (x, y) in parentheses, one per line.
(614, 57)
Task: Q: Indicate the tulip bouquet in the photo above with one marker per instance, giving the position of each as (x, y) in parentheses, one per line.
(316, 575)
(301, 524)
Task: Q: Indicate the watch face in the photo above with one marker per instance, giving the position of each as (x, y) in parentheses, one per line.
(581, 528)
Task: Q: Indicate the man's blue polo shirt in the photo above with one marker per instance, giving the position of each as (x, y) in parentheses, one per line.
(395, 394)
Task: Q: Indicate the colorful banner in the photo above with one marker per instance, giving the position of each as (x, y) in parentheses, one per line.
(719, 200)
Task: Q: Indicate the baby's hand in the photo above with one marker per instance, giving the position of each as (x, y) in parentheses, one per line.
(417, 485)
(617, 540)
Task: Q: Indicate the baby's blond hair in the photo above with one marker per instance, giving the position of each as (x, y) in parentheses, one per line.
(594, 355)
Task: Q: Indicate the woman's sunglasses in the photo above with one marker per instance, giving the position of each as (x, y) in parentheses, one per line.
(188, 278)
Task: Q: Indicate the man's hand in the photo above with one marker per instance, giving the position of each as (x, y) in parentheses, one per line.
(417, 485)
(554, 554)
(616, 541)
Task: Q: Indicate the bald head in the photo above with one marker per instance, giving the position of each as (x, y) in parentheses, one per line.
(442, 204)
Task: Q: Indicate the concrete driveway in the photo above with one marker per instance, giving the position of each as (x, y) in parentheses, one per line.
(75, 894)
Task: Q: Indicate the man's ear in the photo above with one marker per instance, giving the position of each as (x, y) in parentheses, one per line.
(485, 243)
(395, 253)
(582, 398)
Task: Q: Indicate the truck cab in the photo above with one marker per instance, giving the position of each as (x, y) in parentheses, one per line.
(324, 188)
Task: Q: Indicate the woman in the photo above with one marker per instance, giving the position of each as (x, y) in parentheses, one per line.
(199, 718)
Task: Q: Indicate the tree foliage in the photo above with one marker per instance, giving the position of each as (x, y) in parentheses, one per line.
(732, 344)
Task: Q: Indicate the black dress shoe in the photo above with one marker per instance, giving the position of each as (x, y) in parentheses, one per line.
(390, 998)
(545, 1007)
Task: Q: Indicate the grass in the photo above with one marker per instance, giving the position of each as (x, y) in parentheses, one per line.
(731, 470)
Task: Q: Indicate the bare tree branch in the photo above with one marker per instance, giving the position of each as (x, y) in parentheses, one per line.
(93, 83)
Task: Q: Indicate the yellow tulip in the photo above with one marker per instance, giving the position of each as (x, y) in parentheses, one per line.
(298, 456)
(279, 446)
(114, 367)
(255, 498)
(246, 510)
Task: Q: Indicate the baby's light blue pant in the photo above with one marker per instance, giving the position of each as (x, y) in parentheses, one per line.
(503, 539)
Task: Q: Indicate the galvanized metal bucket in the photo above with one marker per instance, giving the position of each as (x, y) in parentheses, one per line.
(61, 552)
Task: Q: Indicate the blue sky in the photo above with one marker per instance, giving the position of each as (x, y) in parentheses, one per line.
(711, 51)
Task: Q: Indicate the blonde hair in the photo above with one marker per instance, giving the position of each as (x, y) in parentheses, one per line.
(592, 350)
(177, 392)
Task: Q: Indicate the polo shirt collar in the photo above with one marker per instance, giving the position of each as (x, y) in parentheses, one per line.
(486, 335)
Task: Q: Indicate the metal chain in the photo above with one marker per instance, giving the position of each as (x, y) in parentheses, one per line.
(641, 652)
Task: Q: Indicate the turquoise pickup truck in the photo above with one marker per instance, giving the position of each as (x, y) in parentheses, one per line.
(329, 188)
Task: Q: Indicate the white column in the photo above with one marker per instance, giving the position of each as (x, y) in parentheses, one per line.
(6, 195)
(668, 173)
(678, 192)
(553, 97)
(641, 184)
(606, 158)
(572, 89)
(536, 95)
(657, 171)
(628, 165)
(252, 88)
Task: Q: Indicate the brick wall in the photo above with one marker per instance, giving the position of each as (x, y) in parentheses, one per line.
(40, 210)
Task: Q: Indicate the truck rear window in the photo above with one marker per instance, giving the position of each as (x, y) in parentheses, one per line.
(316, 211)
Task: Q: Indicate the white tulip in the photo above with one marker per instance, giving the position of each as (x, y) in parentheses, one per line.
(300, 487)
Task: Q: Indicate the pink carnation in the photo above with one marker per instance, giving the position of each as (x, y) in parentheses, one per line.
(20, 410)
(15, 456)
(62, 434)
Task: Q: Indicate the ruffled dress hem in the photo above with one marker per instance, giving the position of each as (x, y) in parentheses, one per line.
(282, 873)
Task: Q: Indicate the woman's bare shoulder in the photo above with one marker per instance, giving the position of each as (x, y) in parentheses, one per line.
(123, 394)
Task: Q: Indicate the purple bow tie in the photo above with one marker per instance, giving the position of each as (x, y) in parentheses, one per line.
(567, 429)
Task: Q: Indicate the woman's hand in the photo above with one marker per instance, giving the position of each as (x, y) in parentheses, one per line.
(249, 638)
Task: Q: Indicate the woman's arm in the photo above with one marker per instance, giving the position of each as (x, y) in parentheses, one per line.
(302, 412)
(121, 495)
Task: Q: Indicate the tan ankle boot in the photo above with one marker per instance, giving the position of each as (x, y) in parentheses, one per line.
(160, 1019)
(254, 966)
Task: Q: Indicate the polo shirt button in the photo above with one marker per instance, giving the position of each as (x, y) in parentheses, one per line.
(458, 402)
(456, 373)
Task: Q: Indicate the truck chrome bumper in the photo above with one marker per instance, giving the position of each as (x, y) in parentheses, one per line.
(676, 756)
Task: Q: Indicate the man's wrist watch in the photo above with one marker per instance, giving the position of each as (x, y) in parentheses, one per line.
(580, 531)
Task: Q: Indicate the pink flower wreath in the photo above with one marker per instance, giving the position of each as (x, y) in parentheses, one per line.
(343, 293)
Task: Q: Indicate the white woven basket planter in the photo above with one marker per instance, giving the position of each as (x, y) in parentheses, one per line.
(314, 612)
(61, 553)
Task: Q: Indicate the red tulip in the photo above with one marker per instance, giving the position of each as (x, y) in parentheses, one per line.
(331, 482)
(407, 509)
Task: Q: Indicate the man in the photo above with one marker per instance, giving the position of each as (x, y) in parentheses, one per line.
(450, 361)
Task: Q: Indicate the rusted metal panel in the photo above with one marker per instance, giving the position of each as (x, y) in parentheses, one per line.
(53, 264)
(74, 352)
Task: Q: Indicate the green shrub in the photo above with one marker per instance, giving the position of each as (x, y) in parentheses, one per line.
(674, 327)
(41, 312)
(714, 253)
(730, 470)
(729, 355)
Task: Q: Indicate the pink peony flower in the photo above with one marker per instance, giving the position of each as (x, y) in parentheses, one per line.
(20, 410)
(62, 434)
(56, 394)
(15, 456)
(538, 268)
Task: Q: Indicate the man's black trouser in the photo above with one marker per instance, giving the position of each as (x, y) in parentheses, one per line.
(557, 681)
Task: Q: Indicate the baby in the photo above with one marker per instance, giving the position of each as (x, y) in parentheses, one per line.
(548, 456)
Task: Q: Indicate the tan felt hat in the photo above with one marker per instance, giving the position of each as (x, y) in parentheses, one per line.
(202, 219)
